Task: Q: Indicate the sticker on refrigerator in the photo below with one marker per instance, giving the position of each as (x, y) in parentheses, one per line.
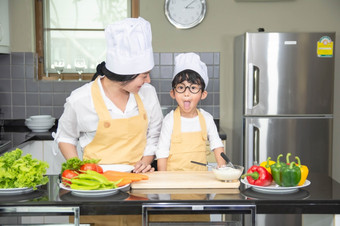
(325, 47)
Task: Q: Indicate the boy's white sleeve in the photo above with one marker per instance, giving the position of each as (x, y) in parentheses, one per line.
(165, 137)
(213, 136)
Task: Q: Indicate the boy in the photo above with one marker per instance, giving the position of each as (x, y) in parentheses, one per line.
(185, 130)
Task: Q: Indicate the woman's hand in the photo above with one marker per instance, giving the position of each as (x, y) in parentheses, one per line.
(144, 165)
(141, 167)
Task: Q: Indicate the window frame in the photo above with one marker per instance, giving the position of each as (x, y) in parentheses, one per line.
(39, 34)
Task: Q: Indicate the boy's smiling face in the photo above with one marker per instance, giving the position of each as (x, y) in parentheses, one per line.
(188, 101)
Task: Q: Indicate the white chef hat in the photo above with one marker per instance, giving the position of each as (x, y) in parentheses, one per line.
(129, 46)
(192, 61)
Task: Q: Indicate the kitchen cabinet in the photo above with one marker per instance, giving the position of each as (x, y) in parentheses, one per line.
(4, 27)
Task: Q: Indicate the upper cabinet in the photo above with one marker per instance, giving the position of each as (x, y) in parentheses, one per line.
(4, 27)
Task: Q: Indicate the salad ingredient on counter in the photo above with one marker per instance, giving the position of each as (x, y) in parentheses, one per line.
(17, 171)
(91, 166)
(227, 173)
(126, 178)
(267, 164)
(75, 163)
(304, 171)
(290, 175)
(67, 175)
(91, 180)
(276, 170)
(258, 175)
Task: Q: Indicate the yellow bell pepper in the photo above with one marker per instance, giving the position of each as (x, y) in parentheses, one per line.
(267, 164)
(304, 171)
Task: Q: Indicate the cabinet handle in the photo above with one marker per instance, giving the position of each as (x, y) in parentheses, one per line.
(1, 32)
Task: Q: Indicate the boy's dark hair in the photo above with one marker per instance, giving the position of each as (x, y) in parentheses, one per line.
(190, 76)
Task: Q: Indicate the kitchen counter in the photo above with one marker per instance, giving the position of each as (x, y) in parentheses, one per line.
(322, 196)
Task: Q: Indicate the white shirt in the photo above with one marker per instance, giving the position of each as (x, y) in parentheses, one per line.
(187, 125)
(79, 121)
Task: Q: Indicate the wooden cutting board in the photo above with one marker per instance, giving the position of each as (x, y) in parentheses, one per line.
(182, 179)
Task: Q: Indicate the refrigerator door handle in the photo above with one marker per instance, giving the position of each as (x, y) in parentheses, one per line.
(256, 78)
(252, 145)
(253, 85)
(256, 145)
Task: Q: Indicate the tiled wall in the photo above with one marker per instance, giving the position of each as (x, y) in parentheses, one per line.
(21, 95)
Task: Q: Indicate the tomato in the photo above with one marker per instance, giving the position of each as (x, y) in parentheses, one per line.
(91, 166)
(69, 174)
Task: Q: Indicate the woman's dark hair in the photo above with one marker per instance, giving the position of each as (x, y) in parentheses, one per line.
(190, 76)
(102, 70)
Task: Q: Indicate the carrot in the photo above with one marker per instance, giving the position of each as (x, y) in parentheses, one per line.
(117, 178)
(132, 176)
(124, 182)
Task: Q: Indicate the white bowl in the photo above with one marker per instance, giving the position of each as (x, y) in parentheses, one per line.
(32, 123)
(118, 167)
(39, 128)
(40, 117)
(228, 173)
(40, 121)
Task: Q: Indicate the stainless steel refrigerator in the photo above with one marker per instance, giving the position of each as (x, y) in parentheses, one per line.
(283, 99)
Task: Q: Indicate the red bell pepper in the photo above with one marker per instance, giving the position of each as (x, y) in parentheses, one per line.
(258, 175)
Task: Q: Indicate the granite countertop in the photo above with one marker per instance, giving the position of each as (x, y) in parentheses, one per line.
(322, 196)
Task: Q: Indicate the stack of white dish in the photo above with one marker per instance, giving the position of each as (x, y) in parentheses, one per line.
(40, 123)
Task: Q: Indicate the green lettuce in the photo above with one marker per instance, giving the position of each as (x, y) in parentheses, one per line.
(75, 163)
(17, 171)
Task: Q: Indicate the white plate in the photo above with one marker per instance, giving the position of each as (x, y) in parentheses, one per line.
(93, 193)
(274, 188)
(15, 191)
(118, 167)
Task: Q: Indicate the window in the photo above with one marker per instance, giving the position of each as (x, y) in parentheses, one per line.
(70, 38)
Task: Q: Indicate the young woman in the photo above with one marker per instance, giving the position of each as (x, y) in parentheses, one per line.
(117, 117)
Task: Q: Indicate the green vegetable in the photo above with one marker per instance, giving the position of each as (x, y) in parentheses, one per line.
(75, 163)
(17, 171)
(91, 180)
(83, 182)
(276, 170)
(291, 175)
(84, 187)
(94, 178)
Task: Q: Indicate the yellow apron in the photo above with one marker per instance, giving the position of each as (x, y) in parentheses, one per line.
(117, 141)
(186, 147)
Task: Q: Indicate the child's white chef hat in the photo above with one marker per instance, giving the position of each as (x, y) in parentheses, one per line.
(192, 61)
(129, 46)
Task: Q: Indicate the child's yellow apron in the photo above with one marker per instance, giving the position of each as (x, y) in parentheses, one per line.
(117, 141)
(186, 147)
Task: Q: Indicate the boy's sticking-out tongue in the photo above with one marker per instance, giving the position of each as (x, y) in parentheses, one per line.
(186, 104)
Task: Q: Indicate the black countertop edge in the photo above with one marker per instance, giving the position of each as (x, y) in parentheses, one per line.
(135, 207)
(323, 197)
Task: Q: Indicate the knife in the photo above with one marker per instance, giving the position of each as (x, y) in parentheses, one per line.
(202, 164)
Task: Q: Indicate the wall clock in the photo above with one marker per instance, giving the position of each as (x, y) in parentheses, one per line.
(184, 14)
